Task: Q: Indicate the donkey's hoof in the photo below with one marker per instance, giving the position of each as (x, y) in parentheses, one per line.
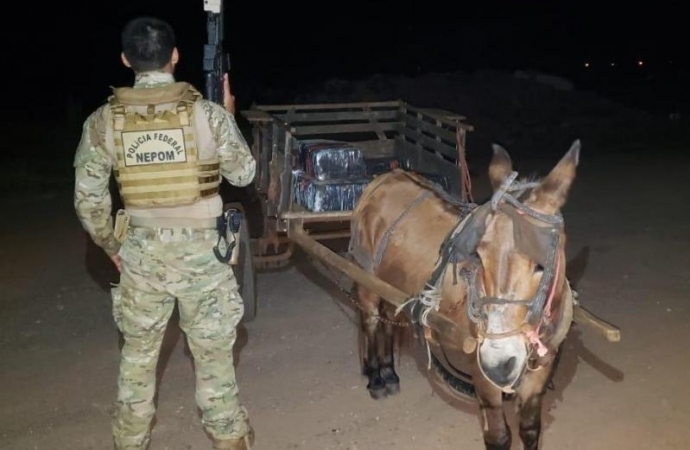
(392, 388)
(379, 393)
(376, 387)
(391, 379)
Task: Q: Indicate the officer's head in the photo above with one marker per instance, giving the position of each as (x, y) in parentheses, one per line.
(148, 44)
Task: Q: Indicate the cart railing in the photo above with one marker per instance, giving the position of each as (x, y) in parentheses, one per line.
(427, 140)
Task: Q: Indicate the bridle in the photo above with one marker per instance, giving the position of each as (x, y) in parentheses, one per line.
(542, 241)
(505, 200)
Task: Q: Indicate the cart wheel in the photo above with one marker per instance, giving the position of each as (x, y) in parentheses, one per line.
(244, 269)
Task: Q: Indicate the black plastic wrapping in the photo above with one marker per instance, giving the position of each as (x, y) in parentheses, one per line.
(331, 160)
(327, 195)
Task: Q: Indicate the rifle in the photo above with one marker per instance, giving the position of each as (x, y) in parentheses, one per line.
(216, 60)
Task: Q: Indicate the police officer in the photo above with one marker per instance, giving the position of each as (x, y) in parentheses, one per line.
(167, 148)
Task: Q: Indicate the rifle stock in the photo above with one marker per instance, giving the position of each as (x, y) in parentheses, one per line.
(216, 59)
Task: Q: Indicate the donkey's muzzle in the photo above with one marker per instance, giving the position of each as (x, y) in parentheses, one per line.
(502, 360)
(502, 373)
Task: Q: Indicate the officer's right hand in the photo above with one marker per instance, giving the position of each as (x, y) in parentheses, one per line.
(228, 98)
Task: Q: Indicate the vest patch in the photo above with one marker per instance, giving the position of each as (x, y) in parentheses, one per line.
(154, 147)
(155, 144)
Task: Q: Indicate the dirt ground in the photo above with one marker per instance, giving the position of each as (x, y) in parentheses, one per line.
(297, 363)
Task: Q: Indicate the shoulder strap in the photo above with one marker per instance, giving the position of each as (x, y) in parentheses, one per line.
(182, 93)
(152, 96)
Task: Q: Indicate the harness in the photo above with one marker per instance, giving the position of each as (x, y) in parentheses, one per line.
(536, 235)
(371, 264)
(540, 241)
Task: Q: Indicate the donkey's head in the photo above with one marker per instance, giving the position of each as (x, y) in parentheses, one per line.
(521, 275)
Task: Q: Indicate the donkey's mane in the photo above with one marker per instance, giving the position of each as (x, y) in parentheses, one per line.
(529, 179)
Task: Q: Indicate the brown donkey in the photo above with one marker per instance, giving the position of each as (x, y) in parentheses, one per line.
(496, 270)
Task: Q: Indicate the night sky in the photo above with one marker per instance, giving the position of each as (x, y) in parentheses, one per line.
(74, 48)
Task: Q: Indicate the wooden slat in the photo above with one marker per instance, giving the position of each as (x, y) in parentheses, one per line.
(422, 160)
(275, 168)
(442, 113)
(264, 157)
(433, 144)
(379, 132)
(335, 116)
(286, 192)
(310, 106)
(446, 117)
(414, 122)
(254, 115)
(344, 128)
(310, 216)
(376, 148)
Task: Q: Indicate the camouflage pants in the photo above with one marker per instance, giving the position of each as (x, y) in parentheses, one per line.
(159, 267)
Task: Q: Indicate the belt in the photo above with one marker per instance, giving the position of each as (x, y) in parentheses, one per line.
(173, 222)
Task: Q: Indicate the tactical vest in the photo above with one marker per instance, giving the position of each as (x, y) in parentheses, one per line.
(157, 154)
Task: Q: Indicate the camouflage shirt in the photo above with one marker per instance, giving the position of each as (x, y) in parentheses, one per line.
(93, 163)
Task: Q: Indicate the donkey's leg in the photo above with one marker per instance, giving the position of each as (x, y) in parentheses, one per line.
(369, 306)
(496, 431)
(530, 395)
(530, 421)
(387, 331)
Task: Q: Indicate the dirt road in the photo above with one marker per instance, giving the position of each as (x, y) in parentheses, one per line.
(297, 363)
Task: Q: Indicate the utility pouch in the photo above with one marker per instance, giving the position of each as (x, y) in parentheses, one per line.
(121, 225)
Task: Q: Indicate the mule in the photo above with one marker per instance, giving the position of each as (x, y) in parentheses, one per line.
(496, 270)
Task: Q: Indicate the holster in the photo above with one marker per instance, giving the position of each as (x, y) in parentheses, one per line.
(227, 248)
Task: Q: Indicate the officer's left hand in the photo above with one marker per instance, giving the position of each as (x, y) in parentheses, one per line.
(228, 98)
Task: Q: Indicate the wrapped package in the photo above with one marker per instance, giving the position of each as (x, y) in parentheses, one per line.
(327, 195)
(326, 159)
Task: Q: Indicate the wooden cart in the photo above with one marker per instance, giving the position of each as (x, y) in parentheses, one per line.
(424, 140)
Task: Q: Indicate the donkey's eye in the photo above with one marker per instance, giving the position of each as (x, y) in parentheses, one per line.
(538, 268)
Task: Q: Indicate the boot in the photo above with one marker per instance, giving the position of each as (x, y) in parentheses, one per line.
(244, 443)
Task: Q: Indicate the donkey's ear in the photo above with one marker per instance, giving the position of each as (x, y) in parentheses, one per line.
(500, 167)
(552, 193)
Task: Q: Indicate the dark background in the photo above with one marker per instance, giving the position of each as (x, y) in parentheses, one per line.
(73, 48)
(61, 58)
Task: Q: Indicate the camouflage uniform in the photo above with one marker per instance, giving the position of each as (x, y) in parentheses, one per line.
(160, 265)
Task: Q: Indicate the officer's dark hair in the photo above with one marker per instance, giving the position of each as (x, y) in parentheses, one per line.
(147, 43)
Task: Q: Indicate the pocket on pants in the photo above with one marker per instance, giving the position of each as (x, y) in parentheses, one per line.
(234, 305)
(116, 296)
(226, 312)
